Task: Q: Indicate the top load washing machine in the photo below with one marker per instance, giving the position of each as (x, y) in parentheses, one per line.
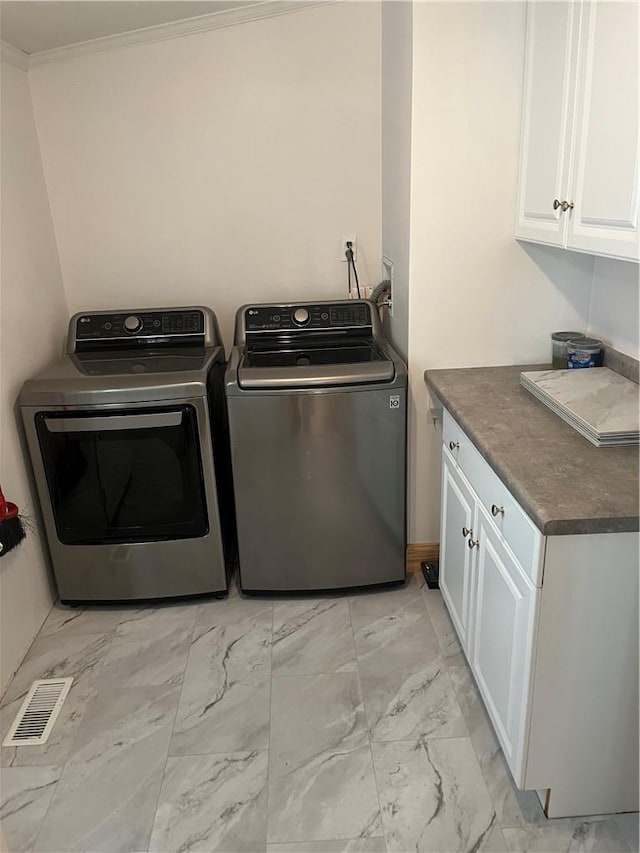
(128, 439)
(317, 404)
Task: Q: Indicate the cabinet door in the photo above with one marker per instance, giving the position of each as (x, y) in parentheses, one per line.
(455, 556)
(605, 187)
(547, 119)
(504, 620)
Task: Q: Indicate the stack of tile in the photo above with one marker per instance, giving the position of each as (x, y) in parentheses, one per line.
(600, 404)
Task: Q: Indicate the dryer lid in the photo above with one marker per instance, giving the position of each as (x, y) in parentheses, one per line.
(105, 378)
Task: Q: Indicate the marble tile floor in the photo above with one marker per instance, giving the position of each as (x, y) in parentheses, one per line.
(271, 725)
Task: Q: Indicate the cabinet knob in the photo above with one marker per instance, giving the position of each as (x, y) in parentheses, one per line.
(496, 510)
(454, 445)
(472, 544)
(467, 531)
(563, 205)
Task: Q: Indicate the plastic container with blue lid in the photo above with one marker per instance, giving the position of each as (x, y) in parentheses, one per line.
(584, 352)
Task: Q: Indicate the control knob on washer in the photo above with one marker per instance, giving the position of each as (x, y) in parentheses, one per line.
(132, 324)
(300, 316)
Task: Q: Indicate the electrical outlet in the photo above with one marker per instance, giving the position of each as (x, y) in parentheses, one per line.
(350, 238)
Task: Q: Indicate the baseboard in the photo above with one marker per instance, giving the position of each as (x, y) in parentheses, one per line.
(419, 552)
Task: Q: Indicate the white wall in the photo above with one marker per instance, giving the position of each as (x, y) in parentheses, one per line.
(397, 50)
(219, 168)
(33, 320)
(614, 313)
(477, 297)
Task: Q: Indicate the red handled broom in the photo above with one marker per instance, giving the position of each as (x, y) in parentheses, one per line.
(11, 527)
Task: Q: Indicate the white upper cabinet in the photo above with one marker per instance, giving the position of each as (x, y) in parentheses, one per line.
(604, 181)
(579, 177)
(549, 93)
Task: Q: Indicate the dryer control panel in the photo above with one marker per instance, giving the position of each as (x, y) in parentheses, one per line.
(126, 329)
(319, 316)
(122, 325)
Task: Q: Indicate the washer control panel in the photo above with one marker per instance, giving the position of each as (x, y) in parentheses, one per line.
(146, 324)
(283, 318)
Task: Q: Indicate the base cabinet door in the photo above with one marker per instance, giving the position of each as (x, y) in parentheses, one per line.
(504, 616)
(455, 555)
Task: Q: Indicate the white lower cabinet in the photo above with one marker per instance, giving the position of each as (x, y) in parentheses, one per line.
(549, 626)
(504, 614)
(492, 604)
(455, 557)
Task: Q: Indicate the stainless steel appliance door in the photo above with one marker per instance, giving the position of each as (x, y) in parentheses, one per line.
(320, 487)
(123, 567)
(124, 477)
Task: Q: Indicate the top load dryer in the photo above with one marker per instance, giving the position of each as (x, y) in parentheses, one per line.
(317, 403)
(128, 439)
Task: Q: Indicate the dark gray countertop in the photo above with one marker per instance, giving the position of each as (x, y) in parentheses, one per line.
(564, 483)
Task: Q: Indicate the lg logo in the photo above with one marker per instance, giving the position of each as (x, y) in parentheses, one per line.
(394, 402)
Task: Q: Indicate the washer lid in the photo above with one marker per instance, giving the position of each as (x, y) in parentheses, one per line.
(347, 363)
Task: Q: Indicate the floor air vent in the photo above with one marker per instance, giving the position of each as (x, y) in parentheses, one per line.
(38, 712)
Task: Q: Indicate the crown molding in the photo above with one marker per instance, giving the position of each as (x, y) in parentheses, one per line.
(175, 29)
(14, 56)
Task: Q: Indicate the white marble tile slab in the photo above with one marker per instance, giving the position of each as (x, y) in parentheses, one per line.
(406, 688)
(411, 703)
(393, 632)
(349, 845)
(629, 824)
(609, 439)
(235, 609)
(78, 655)
(151, 646)
(568, 836)
(312, 636)
(213, 803)
(601, 399)
(107, 794)
(450, 647)
(64, 620)
(514, 808)
(224, 706)
(433, 798)
(321, 783)
(25, 794)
